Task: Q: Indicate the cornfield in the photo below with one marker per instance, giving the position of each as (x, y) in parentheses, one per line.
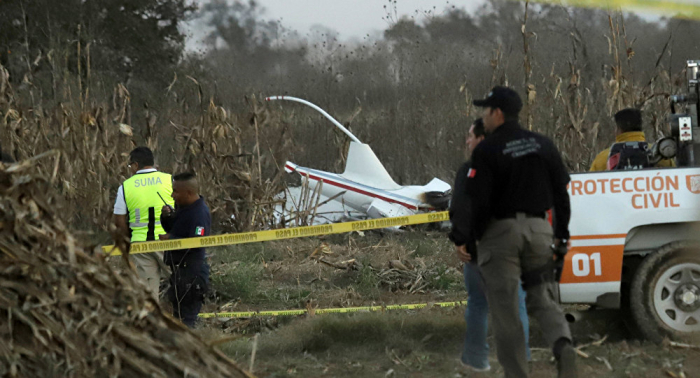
(238, 155)
(234, 155)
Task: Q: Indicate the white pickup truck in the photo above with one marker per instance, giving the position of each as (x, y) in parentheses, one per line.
(633, 234)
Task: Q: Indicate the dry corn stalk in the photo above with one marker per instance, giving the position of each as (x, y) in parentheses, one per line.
(66, 312)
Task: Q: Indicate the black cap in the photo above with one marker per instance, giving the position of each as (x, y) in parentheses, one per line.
(503, 98)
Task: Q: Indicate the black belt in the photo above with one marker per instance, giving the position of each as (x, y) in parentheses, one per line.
(542, 215)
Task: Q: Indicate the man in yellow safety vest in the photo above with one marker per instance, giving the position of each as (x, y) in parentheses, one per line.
(630, 148)
(140, 200)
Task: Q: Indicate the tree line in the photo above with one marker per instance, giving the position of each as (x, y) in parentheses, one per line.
(406, 92)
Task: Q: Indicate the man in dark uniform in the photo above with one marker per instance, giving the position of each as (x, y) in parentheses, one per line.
(515, 177)
(190, 272)
(475, 354)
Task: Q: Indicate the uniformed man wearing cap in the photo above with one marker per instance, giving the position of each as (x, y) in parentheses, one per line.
(515, 178)
(475, 354)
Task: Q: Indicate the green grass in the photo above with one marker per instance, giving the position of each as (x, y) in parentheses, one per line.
(426, 245)
(367, 282)
(427, 344)
(290, 296)
(409, 343)
(238, 271)
(371, 331)
(238, 281)
(246, 253)
(252, 272)
(445, 279)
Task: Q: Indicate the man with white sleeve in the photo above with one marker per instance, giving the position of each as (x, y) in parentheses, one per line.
(137, 212)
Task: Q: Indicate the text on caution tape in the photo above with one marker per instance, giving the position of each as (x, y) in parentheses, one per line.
(281, 234)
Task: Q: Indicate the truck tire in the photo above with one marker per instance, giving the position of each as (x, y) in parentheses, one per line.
(665, 293)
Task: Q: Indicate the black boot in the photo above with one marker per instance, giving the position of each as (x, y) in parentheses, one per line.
(566, 358)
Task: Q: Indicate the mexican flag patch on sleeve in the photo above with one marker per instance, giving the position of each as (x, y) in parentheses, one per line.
(199, 231)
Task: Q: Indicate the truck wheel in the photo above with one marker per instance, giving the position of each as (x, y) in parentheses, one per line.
(665, 293)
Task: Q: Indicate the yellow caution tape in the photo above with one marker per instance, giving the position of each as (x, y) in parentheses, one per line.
(320, 311)
(281, 234)
(681, 8)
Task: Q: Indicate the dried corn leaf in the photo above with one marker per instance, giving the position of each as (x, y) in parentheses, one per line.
(68, 313)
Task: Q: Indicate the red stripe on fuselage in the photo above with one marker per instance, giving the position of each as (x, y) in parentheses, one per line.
(351, 188)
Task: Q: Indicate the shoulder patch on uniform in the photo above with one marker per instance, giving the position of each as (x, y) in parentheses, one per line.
(199, 231)
(471, 173)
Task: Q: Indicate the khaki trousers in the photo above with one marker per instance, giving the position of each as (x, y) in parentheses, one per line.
(509, 247)
(150, 268)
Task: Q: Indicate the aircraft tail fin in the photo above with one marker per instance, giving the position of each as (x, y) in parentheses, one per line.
(364, 167)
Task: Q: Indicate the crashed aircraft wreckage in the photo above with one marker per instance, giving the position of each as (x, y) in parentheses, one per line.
(365, 186)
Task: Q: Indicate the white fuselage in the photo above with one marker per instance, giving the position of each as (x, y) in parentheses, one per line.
(360, 196)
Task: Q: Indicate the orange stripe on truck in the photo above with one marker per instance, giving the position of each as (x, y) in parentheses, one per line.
(601, 236)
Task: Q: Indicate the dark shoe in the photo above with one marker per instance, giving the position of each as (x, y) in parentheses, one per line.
(567, 362)
(475, 369)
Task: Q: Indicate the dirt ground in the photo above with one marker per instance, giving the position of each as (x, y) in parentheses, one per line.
(389, 268)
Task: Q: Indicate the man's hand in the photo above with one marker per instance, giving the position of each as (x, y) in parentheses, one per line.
(462, 253)
(122, 240)
(557, 243)
(164, 237)
(166, 210)
(559, 250)
(121, 223)
(558, 247)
